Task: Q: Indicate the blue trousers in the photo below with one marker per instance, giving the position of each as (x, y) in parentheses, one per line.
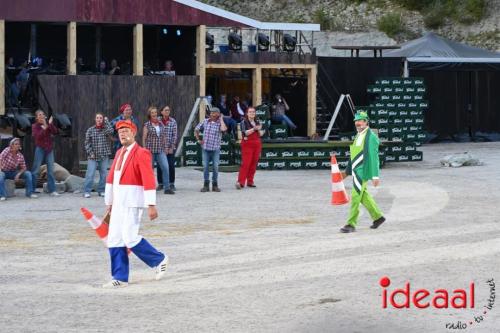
(211, 156)
(92, 165)
(28, 179)
(41, 155)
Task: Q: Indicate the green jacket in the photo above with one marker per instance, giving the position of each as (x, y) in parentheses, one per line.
(371, 164)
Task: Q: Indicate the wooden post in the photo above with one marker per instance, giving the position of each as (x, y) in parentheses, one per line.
(2, 67)
(71, 49)
(201, 65)
(311, 100)
(257, 86)
(138, 50)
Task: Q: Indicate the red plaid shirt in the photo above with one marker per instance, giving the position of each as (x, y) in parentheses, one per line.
(11, 162)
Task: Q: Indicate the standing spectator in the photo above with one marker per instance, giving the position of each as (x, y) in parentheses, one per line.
(226, 115)
(168, 69)
(154, 139)
(280, 107)
(13, 166)
(251, 147)
(237, 109)
(171, 128)
(115, 69)
(212, 129)
(43, 133)
(98, 150)
(125, 114)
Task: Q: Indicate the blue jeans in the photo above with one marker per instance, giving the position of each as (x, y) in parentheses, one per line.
(92, 165)
(285, 121)
(171, 170)
(28, 180)
(231, 124)
(40, 155)
(210, 155)
(161, 160)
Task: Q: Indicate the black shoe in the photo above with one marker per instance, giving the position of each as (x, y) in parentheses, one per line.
(377, 222)
(251, 185)
(169, 191)
(37, 192)
(159, 187)
(215, 188)
(347, 228)
(205, 187)
(172, 187)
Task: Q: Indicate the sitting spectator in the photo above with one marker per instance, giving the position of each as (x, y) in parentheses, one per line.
(279, 109)
(98, 149)
(101, 70)
(226, 115)
(13, 166)
(115, 69)
(237, 109)
(168, 69)
(43, 133)
(81, 67)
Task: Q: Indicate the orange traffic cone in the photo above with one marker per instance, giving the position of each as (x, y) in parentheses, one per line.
(101, 229)
(339, 194)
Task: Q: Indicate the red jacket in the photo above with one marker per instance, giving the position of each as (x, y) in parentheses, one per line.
(137, 186)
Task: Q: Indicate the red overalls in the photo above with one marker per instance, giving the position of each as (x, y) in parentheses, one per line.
(250, 154)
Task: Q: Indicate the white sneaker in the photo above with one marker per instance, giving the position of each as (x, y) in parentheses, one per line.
(87, 195)
(161, 269)
(33, 196)
(54, 194)
(3, 198)
(115, 284)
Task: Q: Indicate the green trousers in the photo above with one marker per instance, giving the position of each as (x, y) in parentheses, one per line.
(364, 198)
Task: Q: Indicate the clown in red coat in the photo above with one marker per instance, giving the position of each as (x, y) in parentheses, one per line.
(130, 187)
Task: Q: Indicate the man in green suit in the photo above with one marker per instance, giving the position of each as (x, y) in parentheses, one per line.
(363, 166)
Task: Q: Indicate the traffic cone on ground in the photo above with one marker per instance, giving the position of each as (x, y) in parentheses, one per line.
(101, 229)
(339, 194)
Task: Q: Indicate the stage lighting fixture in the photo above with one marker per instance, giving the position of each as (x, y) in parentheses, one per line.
(209, 41)
(63, 123)
(234, 41)
(262, 41)
(165, 31)
(289, 42)
(178, 32)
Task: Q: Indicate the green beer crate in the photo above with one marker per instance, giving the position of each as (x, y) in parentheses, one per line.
(421, 89)
(264, 165)
(387, 90)
(397, 98)
(343, 164)
(393, 113)
(278, 164)
(403, 113)
(374, 89)
(414, 128)
(416, 156)
(380, 122)
(390, 105)
(377, 104)
(396, 121)
(382, 82)
(421, 137)
(226, 161)
(287, 152)
(267, 154)
(347, 136)
(423, 104)
(192, 152)
(396, 149)
(278, 131)
(401, 105)
(390, 158)
(383, 131)
(409, 147)
(395, 130)
(262, 112)
(407, 121)
(192, 161)
(419, 121)
(324, 164)
(304, 153)
(190, 142)
(225, 152)
(294, 164)
(411, 136)
(399, 89)
(396, 137)
(384, 97)
(311, 164)
(402, 158)
(413, 105)
(337, 152)
(410, 89)
(320, 153)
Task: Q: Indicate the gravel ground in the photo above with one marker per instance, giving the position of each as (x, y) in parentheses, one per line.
(268, 259)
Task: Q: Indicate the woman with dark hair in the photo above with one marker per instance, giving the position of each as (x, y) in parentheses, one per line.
(251, 147)
(171, 137)
(154, 139)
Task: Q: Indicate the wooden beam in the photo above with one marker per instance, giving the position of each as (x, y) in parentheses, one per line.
(201, 65)
(262, 66)
(311, 100)
(257, 86)
(138, 50)
(2, 67)
(71, 49)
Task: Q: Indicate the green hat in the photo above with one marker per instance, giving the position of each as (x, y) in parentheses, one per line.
(361, 116)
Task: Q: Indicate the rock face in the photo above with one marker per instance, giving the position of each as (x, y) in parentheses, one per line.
(359, 20)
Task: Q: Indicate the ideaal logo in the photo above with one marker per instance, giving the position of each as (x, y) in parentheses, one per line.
(405, 298)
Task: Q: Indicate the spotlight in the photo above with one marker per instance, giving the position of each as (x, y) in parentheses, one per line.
(209, 41)
(234, 41)
(178, 32)
(289, 42)
(165, 31)
(263, 41)
(63, 123)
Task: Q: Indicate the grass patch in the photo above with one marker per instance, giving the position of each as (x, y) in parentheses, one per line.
(391, 24)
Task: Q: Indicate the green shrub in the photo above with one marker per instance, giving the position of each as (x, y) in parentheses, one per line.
(326, 21)
(435, 16)
(473, 11)
(391, 24)
(414, 4)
